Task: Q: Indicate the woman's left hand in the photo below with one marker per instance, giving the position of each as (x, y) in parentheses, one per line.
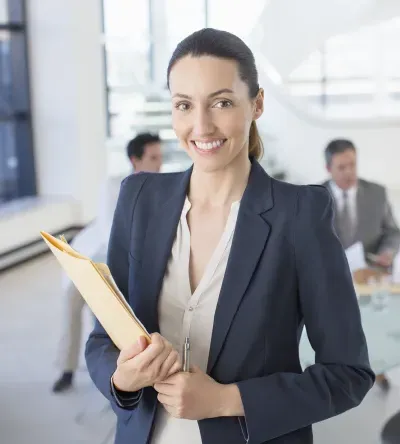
(192, 395)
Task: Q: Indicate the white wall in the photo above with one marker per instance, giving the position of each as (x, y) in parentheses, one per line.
(23, 220)
(68, 100)
(383, 10)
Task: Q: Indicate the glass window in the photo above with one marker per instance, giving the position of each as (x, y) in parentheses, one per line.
(126, 29)
(17, 173)
(8, 162)
(3, 11)
(183, 17)
(241, 21)
(353, 71)
(127, 59)
(5, 73)
(129, 56)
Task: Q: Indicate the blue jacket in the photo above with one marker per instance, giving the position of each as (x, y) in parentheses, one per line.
(286, 269)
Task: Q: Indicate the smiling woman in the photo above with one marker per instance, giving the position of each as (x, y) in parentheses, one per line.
(221, 254)
(216, 99)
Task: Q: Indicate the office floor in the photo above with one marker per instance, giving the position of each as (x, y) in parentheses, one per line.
(30, 311)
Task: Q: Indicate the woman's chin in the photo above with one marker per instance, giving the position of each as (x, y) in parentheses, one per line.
(210, 164)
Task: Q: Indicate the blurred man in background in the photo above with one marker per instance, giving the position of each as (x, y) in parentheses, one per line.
(363, 212)
(144, 153)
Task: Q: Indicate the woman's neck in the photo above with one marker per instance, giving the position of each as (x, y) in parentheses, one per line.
(219, 188)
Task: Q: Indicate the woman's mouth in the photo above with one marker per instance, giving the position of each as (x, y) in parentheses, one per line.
(209, 146)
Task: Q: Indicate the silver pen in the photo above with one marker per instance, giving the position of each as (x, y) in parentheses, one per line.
(186, 355)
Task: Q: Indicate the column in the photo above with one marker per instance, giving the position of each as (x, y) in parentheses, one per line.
(68, 100)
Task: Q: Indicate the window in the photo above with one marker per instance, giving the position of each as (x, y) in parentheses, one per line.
(127, 56)
(134, 66)
(17, 174)
(182, 18)
(238, 18)
(353, 74)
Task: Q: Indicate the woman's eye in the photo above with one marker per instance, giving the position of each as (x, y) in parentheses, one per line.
(182, 106)
(223, 104)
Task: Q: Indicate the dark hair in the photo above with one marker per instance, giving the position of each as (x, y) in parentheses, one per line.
(137, 145)
(337, 146)
(222, 44)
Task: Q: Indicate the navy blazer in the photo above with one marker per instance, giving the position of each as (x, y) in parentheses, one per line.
(286, 269)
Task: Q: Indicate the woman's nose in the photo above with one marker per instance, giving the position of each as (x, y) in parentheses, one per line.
(203, 124)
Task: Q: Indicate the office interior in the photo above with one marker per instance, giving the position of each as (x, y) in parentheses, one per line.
(79, 79)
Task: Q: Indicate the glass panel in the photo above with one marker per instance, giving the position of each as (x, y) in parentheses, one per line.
(357, 73)
(17, 173)
(5, 74)
(127, 62)
(241, 22)
(8, 162)
(126, 27)
(127, 53)
(191, 18)
(3, 11)
(127, 18)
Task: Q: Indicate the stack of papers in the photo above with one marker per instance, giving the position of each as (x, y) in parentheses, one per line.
(356, 257)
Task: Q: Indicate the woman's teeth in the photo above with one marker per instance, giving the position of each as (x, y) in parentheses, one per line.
(209, 145)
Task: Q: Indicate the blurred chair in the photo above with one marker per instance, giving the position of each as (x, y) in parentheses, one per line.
(391, 431)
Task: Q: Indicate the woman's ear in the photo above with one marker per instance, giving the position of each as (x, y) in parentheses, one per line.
(259, 104)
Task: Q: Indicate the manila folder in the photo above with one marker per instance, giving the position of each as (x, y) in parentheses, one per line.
(97, 287)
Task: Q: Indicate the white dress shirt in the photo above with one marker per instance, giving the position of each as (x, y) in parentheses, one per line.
(183, 314)
(351, 199)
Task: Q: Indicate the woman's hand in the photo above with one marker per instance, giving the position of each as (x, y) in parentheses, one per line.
(197, 396)
(143, 365)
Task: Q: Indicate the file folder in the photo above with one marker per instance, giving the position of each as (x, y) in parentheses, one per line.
(98, 288)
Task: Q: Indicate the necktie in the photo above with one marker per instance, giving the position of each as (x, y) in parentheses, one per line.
(346, 229)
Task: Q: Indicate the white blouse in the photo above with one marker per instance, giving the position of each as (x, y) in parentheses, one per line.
(183, 314)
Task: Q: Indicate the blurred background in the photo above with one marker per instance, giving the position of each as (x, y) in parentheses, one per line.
(79, 79)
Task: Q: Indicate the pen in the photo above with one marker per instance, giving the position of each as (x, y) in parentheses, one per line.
(186, 355)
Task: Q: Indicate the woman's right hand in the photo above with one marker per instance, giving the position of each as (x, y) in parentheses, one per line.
(143, 365)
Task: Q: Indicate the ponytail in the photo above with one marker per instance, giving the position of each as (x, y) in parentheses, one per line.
(256, 148)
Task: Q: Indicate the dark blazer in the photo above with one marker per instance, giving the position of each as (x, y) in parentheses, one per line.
(376, 228)
(286, 269)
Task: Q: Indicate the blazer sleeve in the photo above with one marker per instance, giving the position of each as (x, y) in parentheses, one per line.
(390, 240)
(341, 376)
(101, 354)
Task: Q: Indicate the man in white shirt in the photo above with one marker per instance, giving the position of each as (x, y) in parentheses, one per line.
(363, 212)
(144, 153)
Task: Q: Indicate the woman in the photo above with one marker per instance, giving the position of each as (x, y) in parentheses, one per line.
(237, 262)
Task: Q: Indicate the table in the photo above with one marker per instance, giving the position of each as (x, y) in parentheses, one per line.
(382, 332)
(381, 324)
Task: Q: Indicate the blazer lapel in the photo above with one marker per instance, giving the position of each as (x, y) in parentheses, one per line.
(159, 237)
(250, 237)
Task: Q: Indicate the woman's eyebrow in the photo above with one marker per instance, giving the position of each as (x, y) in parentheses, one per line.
(216, 93)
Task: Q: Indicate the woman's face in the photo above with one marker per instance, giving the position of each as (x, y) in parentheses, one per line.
(212, 110)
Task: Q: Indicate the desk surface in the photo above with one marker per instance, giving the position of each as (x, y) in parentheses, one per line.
(382, 331)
